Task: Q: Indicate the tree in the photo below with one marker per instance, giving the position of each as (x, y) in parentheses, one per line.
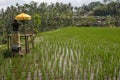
(105, 1)
(100, 11)
(93, 5)
(37, 22)
(114, 11)
(114, 8)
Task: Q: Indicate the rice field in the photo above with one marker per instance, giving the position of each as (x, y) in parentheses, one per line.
(71, 53)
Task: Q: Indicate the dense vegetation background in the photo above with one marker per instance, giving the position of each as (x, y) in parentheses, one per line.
(56, 15)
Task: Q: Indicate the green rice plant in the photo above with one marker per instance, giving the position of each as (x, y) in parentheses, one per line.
(70, 53)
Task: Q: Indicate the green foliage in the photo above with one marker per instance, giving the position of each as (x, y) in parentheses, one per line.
(100, 10)
(92, 5)
(114, 8)
(37, 21)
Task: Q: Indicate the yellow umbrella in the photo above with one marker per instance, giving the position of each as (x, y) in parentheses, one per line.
(23, 17)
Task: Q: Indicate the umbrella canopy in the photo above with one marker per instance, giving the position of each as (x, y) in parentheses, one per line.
(23, 17)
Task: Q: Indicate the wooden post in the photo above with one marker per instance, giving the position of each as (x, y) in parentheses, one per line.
(11, 41)
(25, 37)
(8, 43)
(25, 43)
(32, 39)
(28, 43)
